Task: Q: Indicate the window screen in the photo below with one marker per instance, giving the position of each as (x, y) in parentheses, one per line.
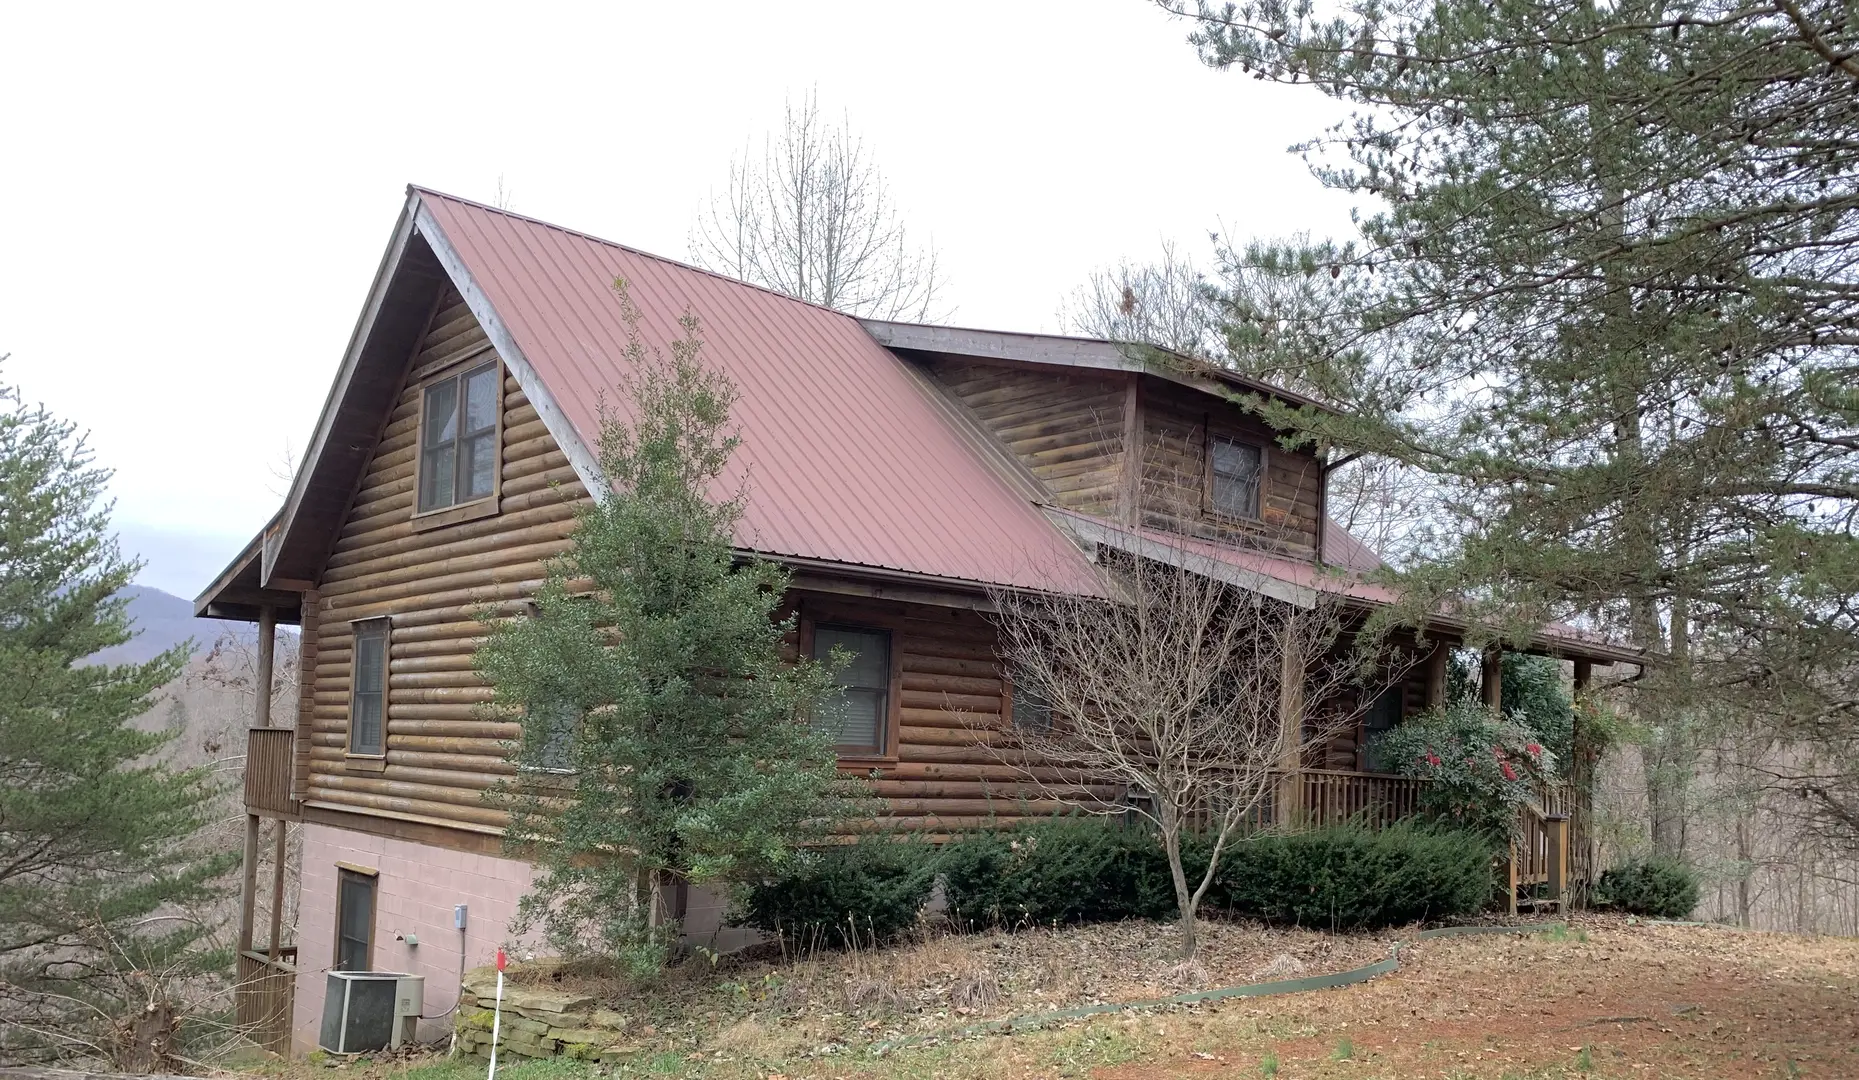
(1235, 485)
(1032, 709)
(458, 449)
(354, 921)
(368, 689)
(550, 744)
(858, 715)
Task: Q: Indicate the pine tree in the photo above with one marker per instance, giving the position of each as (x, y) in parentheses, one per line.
(1603, 292)
(664, 732)
(93, 827)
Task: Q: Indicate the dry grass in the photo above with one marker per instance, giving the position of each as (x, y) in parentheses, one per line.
(1609, 999)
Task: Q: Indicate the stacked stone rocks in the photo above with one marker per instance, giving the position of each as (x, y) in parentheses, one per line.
(540, 1023)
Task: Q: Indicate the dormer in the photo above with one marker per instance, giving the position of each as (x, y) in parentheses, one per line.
(1069, 411)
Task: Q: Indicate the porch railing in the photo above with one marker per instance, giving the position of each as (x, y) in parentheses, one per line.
(1329, 796)
(265, 995)
(268, 759)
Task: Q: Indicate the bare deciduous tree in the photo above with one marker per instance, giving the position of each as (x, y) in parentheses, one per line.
(813, 219)
(1186, 690)
(1163, 303)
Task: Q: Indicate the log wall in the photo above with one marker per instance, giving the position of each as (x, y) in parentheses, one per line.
(1175, 423)
(432, 583)
(952, 763)
(1067, 429)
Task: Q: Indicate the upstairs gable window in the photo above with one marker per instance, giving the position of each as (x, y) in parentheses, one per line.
(1234, 470)
(458, 438)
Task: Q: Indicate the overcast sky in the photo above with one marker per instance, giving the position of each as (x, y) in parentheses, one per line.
(193, 201)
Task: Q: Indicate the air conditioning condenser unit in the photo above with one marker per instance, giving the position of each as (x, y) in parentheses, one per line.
(370, 1010)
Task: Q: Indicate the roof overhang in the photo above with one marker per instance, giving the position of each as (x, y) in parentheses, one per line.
(237, 594)
(406, 286)
(1096, 354)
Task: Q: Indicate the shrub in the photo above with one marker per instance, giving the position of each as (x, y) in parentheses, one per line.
(1061, 870)
(1662, 888)
(1348, 877)
(1482, 767)
(874, 887)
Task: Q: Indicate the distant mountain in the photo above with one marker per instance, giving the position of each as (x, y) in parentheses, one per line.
(162, 621)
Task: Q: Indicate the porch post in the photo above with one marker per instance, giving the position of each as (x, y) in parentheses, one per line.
(1491, 680)
(277, 886)
(261, 688)
(1584, 674)
(248, 884)
(1290, 727)
(261, 681)
(1437, 662)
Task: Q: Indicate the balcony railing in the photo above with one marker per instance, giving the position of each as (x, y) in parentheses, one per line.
(268, 757)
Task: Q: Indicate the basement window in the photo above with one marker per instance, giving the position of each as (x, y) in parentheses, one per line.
(1234, 469)
(858, 716)
(368, 689)
(458, 439)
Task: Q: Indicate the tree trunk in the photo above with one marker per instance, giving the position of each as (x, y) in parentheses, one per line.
(1171, 843)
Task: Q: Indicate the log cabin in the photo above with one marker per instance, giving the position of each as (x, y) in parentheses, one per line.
(901, 472)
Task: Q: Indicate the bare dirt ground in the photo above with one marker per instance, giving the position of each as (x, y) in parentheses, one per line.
(1604, 999)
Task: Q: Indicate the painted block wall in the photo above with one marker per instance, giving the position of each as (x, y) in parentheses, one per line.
(415, 889)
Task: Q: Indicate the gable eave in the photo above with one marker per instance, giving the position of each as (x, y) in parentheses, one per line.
(1092, 354)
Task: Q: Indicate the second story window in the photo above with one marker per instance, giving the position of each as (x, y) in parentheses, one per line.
(368, 689)
(858, 716)
(458, 439)
(1234, 469)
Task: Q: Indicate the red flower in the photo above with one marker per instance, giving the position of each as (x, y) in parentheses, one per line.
(1535, 750)
(1432, 759)
(1509, 773)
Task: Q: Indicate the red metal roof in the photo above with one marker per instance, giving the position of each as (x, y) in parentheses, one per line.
(844, 457)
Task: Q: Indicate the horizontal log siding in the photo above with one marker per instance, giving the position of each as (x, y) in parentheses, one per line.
(1174, 426)
(441, 754)
(955, 765)
(1068, 430)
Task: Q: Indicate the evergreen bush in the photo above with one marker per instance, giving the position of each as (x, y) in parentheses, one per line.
(1661, 888)
(1062, 870)
(1349, 877)
(873, 889)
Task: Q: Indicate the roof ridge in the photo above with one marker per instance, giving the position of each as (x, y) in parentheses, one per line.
(641, 252)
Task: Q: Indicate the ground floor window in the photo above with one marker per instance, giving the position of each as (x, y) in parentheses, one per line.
(354, 921)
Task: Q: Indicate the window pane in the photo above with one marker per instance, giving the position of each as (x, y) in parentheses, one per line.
(562, 722)
(481, 400)
(441, 418)
(1032, 710)
(366, 721)
(436, 478)
(370, 658)
(1239, 460)
(1235, 478)
(477, 466)
(354, 922)
(871, 660)
(854, 717)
